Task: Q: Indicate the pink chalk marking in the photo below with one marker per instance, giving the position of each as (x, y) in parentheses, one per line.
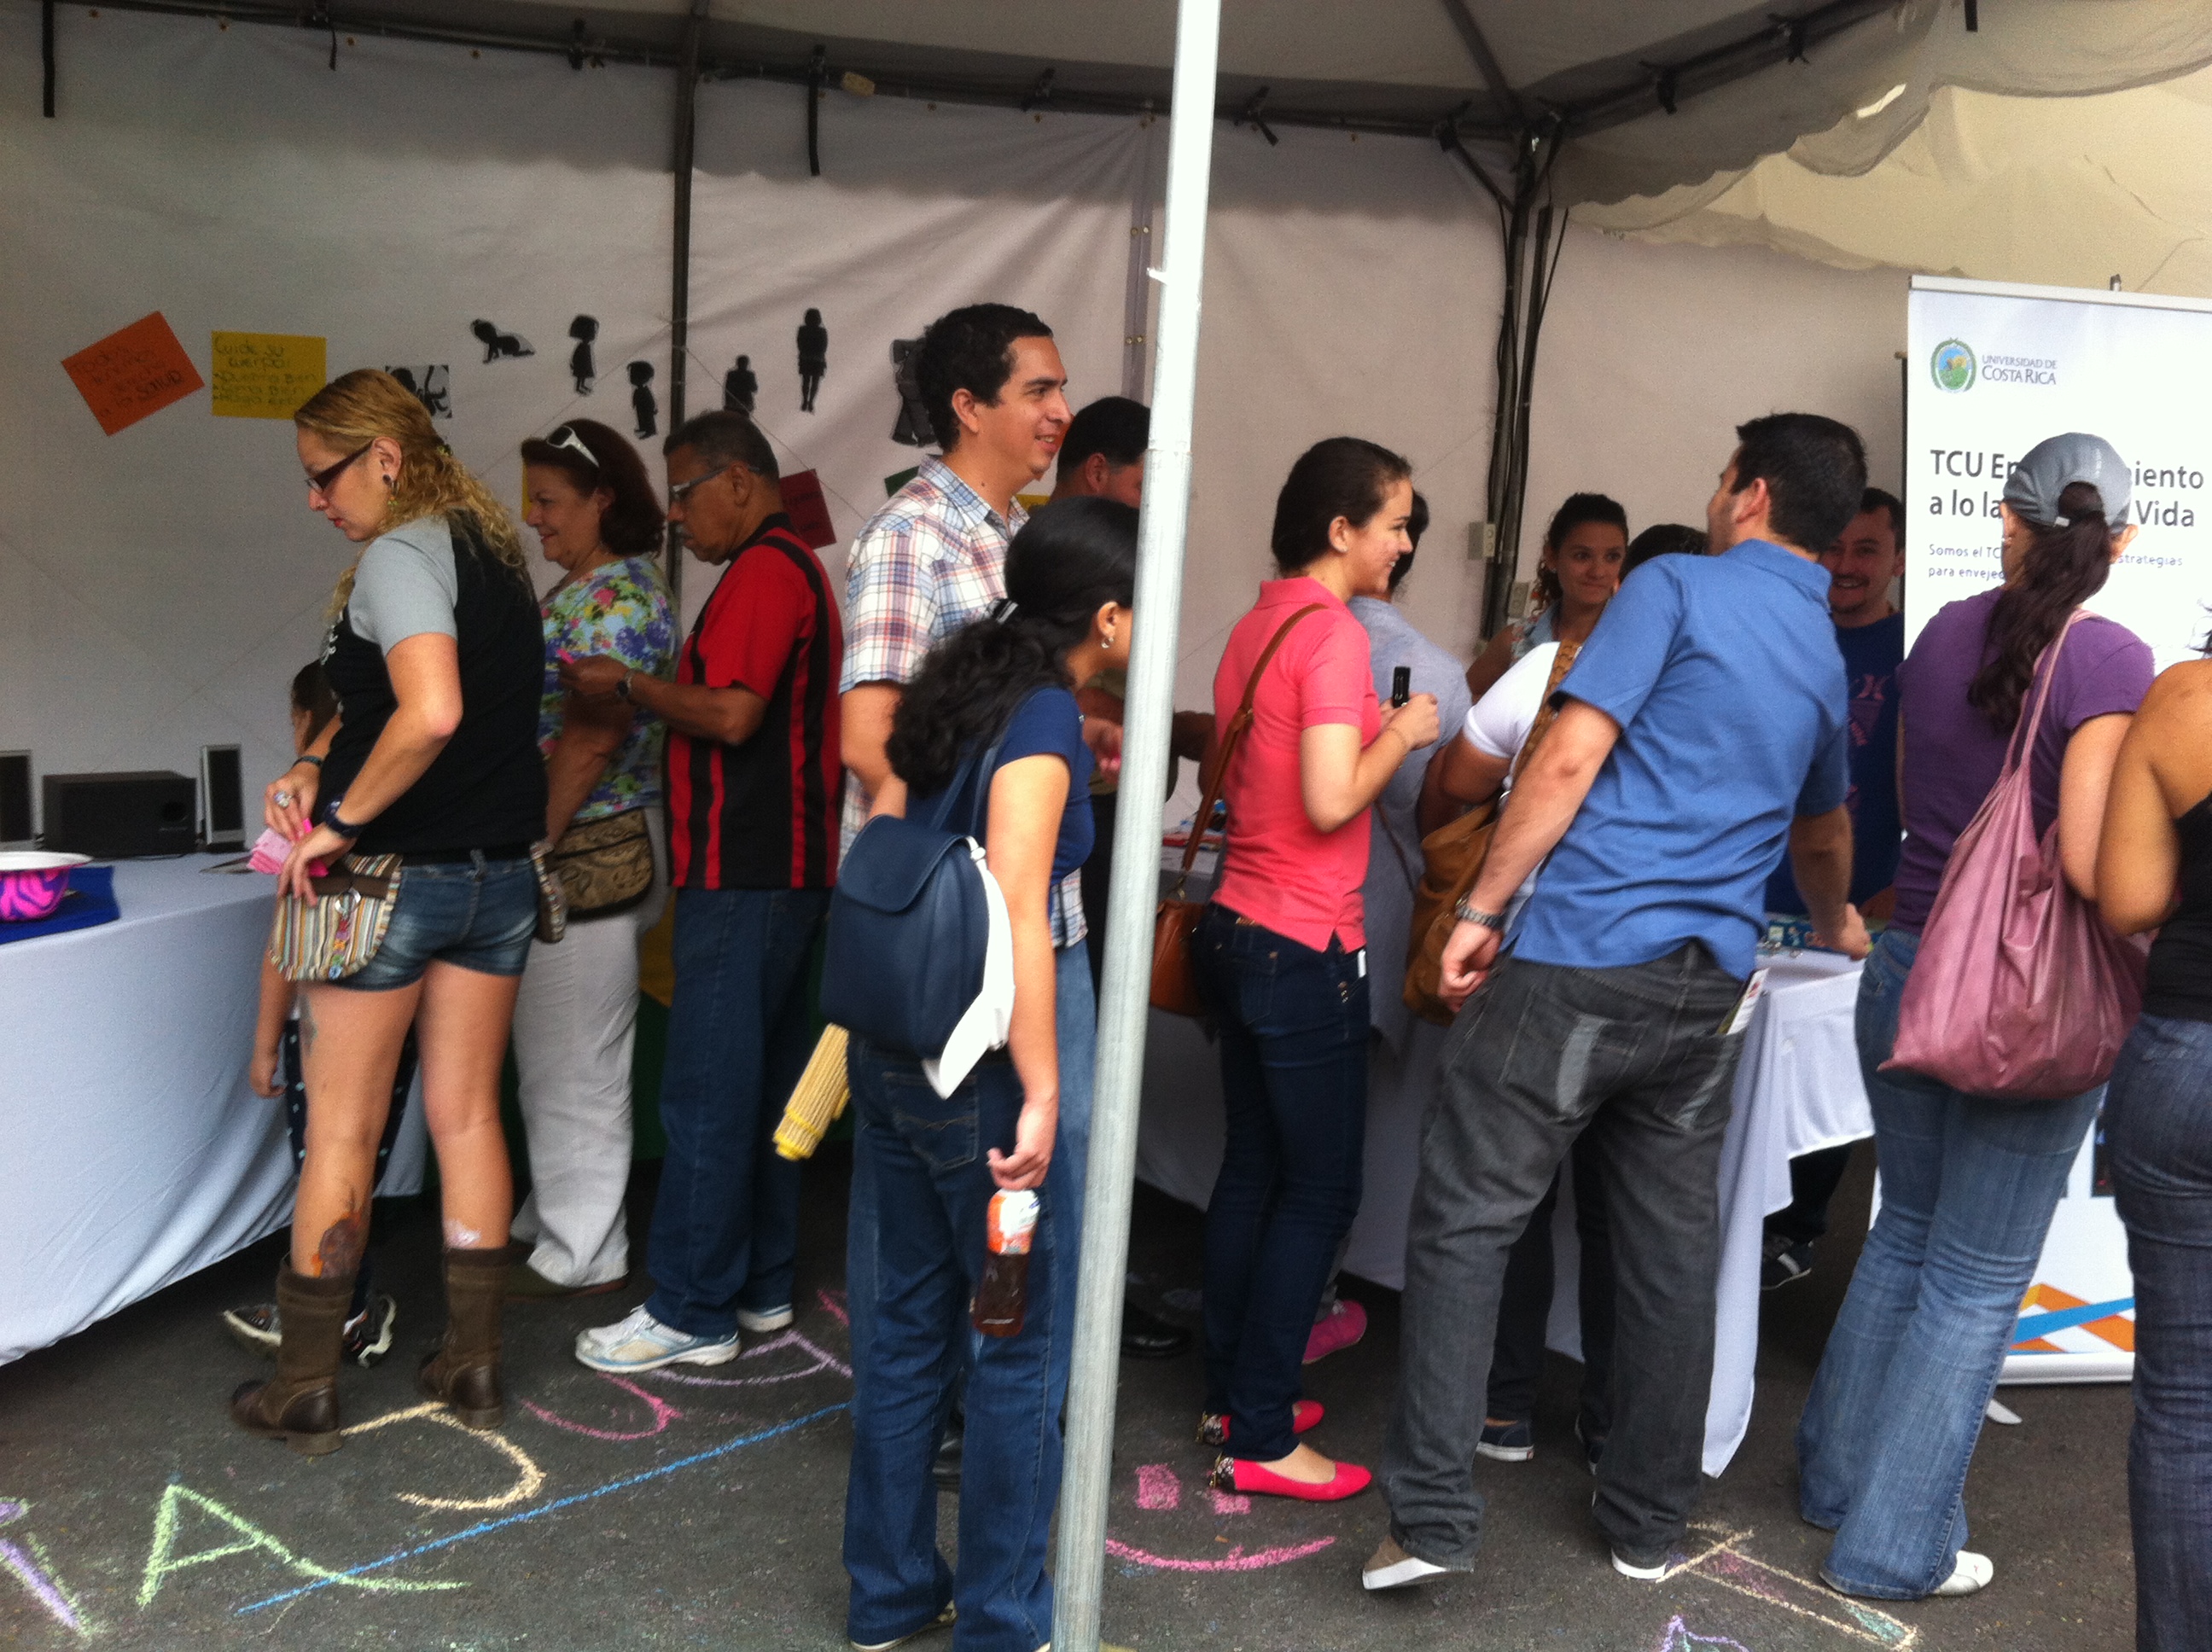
(1235, 1560)
(834, 1301)
(823, 1361)
(1751, 1578)
(26, 1571)
(1678, 1637)
(1229, 1502)
(663, 1414)
(1158, 1487)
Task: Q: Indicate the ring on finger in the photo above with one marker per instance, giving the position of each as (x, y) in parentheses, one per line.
(283, 799)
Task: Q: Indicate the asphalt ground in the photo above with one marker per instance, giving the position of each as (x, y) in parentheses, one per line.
(702, 1508)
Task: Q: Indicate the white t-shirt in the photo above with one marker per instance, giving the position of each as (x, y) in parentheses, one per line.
(1497, 726)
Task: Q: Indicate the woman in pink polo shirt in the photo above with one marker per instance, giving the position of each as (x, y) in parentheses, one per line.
(1281, 955)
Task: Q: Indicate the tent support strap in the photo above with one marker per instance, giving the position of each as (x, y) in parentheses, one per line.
(46, 53)
(679, 281)
(1135, 891)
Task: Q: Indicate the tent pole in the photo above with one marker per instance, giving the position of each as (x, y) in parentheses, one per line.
(679, 282)
(1135, 884)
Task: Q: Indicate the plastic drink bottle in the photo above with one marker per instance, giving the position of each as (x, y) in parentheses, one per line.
(1001, 1298)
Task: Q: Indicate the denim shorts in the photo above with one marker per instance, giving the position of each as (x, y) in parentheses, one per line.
(478, 914)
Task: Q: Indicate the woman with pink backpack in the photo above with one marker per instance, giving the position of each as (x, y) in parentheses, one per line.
(2012, 708)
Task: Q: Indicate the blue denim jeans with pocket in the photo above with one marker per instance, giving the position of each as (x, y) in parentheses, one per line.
(1293, 1026)
(726, 1221)
(929, 1183)
(1968, 1187)
(2159, 1102)
(478, 914)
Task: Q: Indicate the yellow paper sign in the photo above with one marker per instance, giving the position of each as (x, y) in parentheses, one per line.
(265, 375)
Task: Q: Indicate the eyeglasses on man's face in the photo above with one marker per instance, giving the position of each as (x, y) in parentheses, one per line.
(679, 493)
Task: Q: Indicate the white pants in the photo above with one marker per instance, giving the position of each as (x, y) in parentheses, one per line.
(576, 1022)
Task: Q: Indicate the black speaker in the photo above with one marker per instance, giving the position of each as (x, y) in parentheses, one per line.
(15, 829)
(114, 817)
(222, 799)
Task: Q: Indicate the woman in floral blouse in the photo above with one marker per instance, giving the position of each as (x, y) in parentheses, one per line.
(596, 515)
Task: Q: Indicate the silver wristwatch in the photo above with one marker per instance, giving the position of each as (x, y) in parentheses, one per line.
(1468, 914)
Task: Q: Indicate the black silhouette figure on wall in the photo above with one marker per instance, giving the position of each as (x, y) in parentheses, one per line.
(740, 386)
(501, 346)
(584, 329)
(912, 427)
(431, 386)
(814, 358)
(641, 401)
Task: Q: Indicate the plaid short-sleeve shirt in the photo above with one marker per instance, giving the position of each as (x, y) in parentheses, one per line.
(931, 559)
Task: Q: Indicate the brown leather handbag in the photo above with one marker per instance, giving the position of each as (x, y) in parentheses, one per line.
(1451, 859)
(605, 865)
(1175, 977)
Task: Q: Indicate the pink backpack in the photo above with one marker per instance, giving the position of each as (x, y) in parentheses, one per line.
(2020, 990)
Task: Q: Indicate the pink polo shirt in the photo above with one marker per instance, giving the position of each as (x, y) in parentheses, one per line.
(1278, 871)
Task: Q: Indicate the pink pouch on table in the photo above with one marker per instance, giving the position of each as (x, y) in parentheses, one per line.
(2020, 990)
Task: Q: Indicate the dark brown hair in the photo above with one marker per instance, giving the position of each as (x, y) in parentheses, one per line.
(2063, 568)
(1341, 476)
(631, 525)
(313, 698)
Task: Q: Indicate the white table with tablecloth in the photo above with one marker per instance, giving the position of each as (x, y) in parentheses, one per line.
(136, 1151)
(1796, 1090)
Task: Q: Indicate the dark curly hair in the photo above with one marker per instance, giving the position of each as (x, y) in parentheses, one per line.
(631, 525)
(2063, 568)
(970, 349)
(1579, 511)
(1071, 559)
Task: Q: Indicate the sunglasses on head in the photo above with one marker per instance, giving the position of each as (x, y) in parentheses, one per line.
(320, 482)
(564, 435)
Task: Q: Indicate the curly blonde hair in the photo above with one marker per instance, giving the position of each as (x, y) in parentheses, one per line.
(356, 408)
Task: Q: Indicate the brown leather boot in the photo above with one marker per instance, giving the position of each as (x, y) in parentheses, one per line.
(300, 1404)
(465, 1372)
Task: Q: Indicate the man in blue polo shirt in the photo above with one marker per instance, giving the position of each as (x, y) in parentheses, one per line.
(1703, 727)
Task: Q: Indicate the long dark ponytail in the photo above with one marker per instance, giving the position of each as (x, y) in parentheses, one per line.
(1070, 560)
(2063, 568)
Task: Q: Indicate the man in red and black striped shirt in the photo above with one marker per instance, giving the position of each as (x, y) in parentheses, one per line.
(755, 785)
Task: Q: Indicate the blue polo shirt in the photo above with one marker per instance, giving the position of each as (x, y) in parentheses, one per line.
(1723, 674)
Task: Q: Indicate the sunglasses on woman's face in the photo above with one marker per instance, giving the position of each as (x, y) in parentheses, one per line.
(320, 482)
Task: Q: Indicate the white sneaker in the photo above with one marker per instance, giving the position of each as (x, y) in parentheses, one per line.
(773, 1319)
(1972, 1573)
(642, 1343)
(1391, 1568)
(1628, 1568)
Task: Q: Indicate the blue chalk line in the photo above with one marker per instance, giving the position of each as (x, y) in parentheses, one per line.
(555, 1507)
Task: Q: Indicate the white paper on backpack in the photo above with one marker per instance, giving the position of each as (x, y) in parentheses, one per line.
(984, 1024)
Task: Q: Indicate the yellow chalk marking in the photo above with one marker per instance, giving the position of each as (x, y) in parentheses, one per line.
(528, 1478)
(162, 1558)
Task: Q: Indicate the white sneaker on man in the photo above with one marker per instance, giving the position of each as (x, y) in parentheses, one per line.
(769, 1319)
(1391, 1568)
(642, 1343)
(1970, 1574)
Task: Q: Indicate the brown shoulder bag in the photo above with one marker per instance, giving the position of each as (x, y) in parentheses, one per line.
(1451, 859)
(1175, 979)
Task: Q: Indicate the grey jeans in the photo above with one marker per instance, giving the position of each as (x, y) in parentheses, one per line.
(1636, 1057)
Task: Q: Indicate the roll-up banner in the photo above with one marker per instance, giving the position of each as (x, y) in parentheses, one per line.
(1993, 368)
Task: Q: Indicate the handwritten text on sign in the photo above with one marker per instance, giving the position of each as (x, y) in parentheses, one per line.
(265, 375)
(133, 372)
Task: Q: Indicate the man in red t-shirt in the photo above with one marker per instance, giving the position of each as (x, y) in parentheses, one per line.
(755, 785)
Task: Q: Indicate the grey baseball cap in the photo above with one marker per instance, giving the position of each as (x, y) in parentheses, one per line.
(2041, 474)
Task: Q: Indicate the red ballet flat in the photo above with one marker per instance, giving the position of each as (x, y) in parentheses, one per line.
(1237, 1474)
(1213, 1427)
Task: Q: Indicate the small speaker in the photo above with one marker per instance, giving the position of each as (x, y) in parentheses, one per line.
(222, 799)
(114, 817)
(15, 828)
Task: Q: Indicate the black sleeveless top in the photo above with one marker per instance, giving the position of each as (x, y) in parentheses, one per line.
(487, 788)
(2180, 984)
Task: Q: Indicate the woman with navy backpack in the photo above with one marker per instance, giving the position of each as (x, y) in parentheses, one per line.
(986, 739)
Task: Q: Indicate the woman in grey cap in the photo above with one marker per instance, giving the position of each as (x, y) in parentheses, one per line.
(1969, 1182)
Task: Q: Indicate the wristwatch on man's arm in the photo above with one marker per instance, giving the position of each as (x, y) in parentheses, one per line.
(1467, 912)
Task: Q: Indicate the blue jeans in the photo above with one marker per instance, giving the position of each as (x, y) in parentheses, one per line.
(1968, 1187)
(2161, 1159)
(914, 1252)
(477, 913)
(725, 1225)
(1294, 1085)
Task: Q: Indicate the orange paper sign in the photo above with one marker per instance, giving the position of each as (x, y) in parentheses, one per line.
(132, 374)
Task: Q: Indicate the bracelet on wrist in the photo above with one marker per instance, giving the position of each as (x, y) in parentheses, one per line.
(622, 687)
(307, 757)
(338, 823)
(1467, 913)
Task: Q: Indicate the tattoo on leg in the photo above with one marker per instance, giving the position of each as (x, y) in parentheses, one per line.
(343, 1240)
(306, 1025)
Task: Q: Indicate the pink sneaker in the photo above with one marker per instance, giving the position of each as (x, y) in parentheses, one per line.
(1345, 1325)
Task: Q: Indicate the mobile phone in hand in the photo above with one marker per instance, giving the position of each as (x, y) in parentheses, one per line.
(1401, 684)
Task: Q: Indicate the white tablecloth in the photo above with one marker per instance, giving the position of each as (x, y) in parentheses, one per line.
(1796, 1090)
(136, 1151)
